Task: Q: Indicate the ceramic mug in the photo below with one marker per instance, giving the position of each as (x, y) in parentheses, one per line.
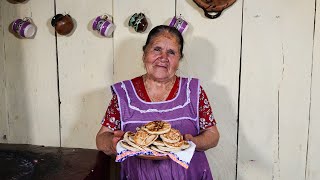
(138, 22)
(103, 25)
(179, 24)
(23, 27)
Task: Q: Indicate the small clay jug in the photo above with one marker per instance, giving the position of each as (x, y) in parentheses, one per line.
(138, 22)
(63, 24)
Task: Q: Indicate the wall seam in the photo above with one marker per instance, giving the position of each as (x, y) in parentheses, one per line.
(239, 92)
(310, 90)
(58, 79)
(7, 115)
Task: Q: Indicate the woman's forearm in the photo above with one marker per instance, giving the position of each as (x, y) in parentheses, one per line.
(104, 143)
(207, 139)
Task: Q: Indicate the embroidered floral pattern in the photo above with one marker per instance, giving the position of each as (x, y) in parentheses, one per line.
(112, 115)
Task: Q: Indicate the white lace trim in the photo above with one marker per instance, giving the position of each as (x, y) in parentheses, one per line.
(161, 102)
(157, 110)
(144, 122)
(119, 103)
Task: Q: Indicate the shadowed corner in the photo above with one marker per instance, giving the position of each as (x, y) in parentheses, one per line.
(15, 166)
(105, 168)
(31, 162)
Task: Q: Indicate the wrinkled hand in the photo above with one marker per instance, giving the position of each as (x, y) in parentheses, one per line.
(188, 137)
(117, 136)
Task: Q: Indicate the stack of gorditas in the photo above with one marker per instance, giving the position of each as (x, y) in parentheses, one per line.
(157, 136)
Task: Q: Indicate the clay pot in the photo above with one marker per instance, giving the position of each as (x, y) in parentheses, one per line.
(63, 24)
(138, 22)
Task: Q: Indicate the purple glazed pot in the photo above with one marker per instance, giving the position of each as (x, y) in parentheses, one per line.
(179, 24)
(103, 25)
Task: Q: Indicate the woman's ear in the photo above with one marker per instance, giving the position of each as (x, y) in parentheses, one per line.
(143, 57)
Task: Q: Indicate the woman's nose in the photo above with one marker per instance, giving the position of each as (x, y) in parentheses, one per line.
(164, 56)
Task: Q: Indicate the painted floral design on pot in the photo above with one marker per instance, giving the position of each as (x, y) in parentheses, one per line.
(138, 22)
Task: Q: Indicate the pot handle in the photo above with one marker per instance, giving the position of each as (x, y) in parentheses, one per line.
(212, 16)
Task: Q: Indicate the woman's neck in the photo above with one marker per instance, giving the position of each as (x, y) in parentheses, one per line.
(158, 90)
(158, 83)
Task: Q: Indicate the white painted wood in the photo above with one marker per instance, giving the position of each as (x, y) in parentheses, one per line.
(3, 105)
(212, 53)
(275, 89)
(31, 80)
(275, 78)
(313, 158)
(85, 73)
(128, 43)
(294, 99)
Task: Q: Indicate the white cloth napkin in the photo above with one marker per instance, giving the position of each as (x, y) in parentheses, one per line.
(181, 157)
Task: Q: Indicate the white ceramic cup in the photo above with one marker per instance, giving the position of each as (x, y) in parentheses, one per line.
(103, 25)
(179, 24)
(24, 28)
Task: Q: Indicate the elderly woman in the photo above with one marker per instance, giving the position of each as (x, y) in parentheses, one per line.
(180, 101)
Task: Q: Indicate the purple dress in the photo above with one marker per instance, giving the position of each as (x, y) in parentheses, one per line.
(181, 112)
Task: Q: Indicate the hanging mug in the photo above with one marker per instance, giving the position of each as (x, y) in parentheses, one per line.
(138, 22)
(63, 24)
(24, 27)
(103, 25)
(179, 24)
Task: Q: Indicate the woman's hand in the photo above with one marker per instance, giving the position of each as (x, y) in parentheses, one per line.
(117, 136)
(107, 140)
(207, 138)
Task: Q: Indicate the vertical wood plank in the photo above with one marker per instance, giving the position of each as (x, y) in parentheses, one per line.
(128, 43)
(85, 73)
(212, 53)
(275, 89)
(31, 88)
(3, 104)
(313, 160)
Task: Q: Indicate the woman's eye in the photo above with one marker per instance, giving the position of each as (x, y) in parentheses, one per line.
(171, 52)
(157, 49)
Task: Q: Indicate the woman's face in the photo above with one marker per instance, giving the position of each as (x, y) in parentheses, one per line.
(161, 57)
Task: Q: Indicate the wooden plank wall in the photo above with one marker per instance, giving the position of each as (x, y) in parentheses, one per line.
(212, 53)
(31, 78)
(313, 160)
(259, 64)
(85, 72)
(275, 89)
(3, 107)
